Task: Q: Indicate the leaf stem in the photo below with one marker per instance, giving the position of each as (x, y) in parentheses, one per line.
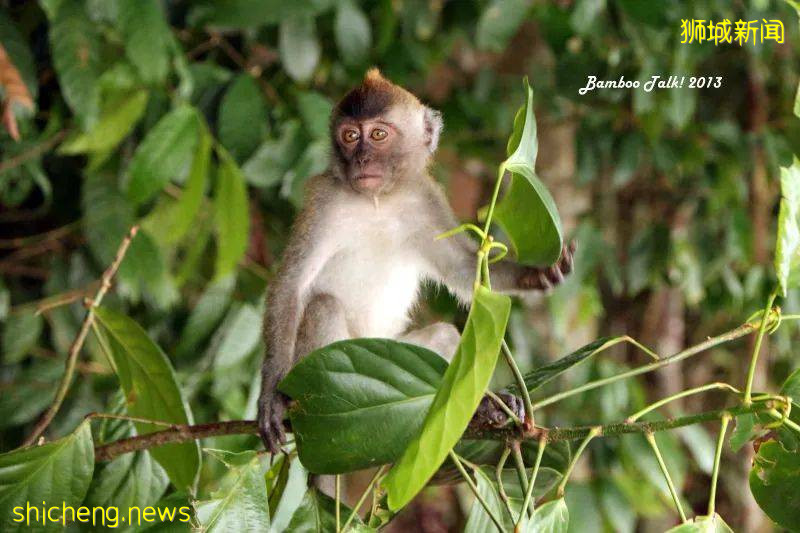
(519, 463)
(495, 193)
(80, 338)
(651, 439)
(338, 490)
(520, 379)
(363, 497)
(741, 331)
(478, 496)
(501, 463)
(688, 392)
(593, 432)
(751, 372)
(726, 417)
(529, 492)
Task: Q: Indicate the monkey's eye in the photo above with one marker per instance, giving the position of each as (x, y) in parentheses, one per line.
(350, 136)
(378, 134)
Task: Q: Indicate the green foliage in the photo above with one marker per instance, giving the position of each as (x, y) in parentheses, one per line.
(773, 482)
(457, 397)
(527, 212)
(787, 252)
(147, 36)
(231, 212)
(367, 397)
(151, 391)
(703, 524)
(242, 104)
(59, 471)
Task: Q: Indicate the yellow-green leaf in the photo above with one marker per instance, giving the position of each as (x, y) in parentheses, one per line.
(787, 251)
(462, 388)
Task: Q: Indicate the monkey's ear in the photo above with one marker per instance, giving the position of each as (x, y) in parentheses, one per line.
(433, 128)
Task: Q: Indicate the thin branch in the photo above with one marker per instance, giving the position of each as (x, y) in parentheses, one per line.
(715, 472)
(651, 440)
(457, 461)
(33, 153)
(77, 344)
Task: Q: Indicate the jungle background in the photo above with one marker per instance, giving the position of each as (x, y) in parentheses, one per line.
(671, 195)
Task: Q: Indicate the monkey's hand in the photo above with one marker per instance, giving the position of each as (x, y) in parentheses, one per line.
(271, 408)
(545, 278)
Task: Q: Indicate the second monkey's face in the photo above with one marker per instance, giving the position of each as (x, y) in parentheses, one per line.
(369, 151)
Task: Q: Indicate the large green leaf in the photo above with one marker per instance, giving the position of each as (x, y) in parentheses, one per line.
(144, 28)
(241, 503)
(539, 376)
(151, 391)
(365, 398)
(703, 524)
(231, 215)
(352, 32)
(75, 48)
(57, 473)
(115, 122)
(458, 396)
(773, 482)
(299, 47)
(527, 212)
(787, 251)
(499, 22)
(164, 154)
(242, 104)
(190, 201)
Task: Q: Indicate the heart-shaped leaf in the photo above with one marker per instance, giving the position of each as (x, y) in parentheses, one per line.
(773, 482)
(151, 391)
(365, 398)
(527, 212)
(462, 388)
(787, 250)
(57, 473)
(703, 524)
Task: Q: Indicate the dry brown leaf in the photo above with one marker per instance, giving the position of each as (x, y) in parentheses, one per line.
(16, 93)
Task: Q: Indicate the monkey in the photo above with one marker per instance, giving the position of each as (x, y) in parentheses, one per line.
(365, 240)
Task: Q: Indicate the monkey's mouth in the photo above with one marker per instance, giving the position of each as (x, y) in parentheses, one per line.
(368, 181)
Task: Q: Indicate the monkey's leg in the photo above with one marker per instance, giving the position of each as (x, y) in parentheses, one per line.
(440, 337)
(323, 322)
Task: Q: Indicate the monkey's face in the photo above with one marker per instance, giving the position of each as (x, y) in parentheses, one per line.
(369, 151)
(382, 136)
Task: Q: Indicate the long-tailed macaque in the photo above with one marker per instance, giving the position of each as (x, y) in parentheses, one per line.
(365, 240)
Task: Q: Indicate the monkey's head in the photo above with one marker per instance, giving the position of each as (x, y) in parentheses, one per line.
(382, 135)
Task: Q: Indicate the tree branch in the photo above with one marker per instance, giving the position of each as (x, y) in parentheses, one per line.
(185, 433)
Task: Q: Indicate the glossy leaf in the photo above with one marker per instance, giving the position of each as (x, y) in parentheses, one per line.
(231, 215)
(299, 47)
(164, 154)
(352, 32)
(458, 396)
(527, 212)
(242, 104)
(499, 22)
(57, 472)
(75, 48)
(787, 251)
(544, 374)
(550, 517)
(241, 503)
(773, 482)
(112, 127)
(703, 524)
(144, 29)
(366, 398)
(151, 391)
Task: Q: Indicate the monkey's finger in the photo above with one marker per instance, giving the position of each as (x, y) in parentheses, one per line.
(544, 283)
(277, 427)
(554, 275)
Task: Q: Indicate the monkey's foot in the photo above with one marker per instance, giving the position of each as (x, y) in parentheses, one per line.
(545, 278)
(491, 415)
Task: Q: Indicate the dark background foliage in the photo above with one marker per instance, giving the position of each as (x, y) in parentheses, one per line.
(671, 195)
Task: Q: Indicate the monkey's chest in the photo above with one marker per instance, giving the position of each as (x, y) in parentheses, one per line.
(377, 284)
